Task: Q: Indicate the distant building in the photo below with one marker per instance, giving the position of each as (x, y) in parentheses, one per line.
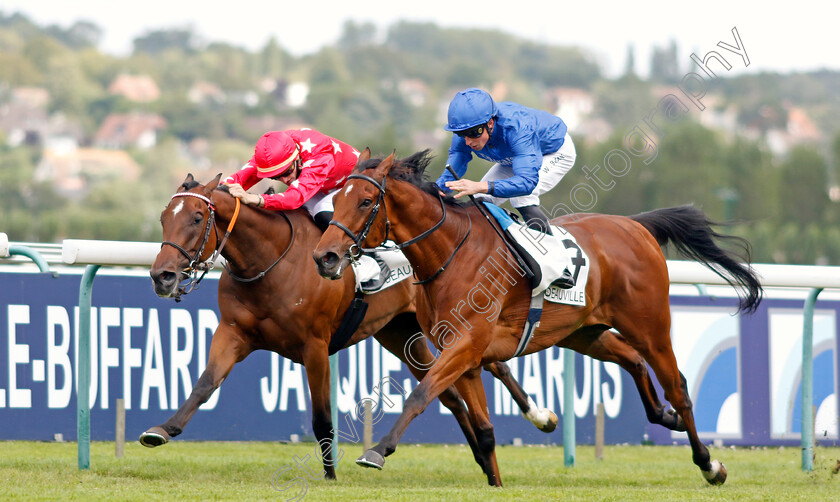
(24, 120)
(414, 91)
(30, 97)
(74, 171)
(133, 130)
(571, 104)
(205, 93)
(23, 117)
(137, 88)
(576, 107)
(799, 129)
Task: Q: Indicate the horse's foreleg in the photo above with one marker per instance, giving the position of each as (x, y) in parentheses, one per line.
(542, 418)
(451, 364)
(472, 389)
(317, 365)
(226, 350)
(416, 355)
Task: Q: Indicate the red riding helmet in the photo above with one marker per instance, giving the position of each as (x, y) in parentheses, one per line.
(274, 154)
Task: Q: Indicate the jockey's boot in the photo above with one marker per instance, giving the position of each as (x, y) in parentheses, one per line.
(322, 220)
(535, 219)
(379, 280)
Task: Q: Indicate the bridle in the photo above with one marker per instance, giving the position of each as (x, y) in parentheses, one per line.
(197, 265)
(380, 202)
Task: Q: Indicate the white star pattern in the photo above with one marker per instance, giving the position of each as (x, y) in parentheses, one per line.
(336, 147)
(307, 145)
(308, 163)
(356, 153)
(295, 183)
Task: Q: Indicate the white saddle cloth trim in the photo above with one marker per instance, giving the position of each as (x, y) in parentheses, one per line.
(365, 269)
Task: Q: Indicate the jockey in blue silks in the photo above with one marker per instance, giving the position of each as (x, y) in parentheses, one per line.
(532, 150)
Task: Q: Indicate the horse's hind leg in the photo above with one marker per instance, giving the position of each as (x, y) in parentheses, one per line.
(612, 347)
(226, 349)
(653, 340)
(542, 418)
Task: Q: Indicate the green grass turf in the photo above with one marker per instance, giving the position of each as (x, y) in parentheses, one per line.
(185, 470)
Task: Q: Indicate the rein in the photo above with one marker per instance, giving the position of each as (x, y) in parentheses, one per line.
(380, 201)
(262, 274)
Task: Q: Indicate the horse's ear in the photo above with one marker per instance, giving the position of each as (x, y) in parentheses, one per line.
(365, 155)
(189, 179)
(386, 165)
(213, 184)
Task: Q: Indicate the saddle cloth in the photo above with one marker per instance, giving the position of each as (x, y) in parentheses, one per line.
(553, 254)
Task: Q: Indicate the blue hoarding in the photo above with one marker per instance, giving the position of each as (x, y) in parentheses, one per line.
(743, 373)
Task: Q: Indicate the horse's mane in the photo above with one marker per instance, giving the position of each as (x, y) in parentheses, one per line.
(411, 169)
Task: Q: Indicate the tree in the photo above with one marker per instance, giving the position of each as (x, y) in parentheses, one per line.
(157, 41)
(355, 35)
(81, 35)
(664, 65)
(630, 62)
(803, 191)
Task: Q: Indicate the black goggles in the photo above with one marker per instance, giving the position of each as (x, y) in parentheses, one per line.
(472, 132)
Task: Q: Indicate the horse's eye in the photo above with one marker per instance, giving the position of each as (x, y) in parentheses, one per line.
(366, 203)
(198, 218)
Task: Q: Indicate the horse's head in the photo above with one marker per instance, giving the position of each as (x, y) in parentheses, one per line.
(188, 241)
(359, 221)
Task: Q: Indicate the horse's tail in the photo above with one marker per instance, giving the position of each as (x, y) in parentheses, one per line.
(691, 233)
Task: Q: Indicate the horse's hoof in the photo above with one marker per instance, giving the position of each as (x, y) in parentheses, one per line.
(154, 437)
(717, 475)
(551, 424)
(371, 458)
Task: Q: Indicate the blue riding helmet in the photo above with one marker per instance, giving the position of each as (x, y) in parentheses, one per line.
(469, 108)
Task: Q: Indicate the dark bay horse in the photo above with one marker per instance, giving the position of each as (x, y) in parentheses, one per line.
(474, 317)
(272, 298)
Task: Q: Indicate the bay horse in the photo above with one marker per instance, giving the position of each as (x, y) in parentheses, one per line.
(474, 318)
(271, 297)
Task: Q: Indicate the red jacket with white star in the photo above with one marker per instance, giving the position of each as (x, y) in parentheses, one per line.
(326, 163)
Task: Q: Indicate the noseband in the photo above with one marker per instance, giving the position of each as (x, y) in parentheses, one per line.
(380, 201)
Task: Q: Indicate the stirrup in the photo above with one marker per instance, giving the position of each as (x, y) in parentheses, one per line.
(566, 281)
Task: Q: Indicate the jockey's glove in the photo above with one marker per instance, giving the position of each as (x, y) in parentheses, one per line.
(248, 198)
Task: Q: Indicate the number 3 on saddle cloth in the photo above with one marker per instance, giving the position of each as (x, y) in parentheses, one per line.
(550, 256)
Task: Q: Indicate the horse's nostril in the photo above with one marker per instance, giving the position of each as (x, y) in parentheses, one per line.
(330, 259)
(164, 277)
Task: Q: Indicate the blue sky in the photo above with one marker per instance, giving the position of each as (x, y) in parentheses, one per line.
(800, 36)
